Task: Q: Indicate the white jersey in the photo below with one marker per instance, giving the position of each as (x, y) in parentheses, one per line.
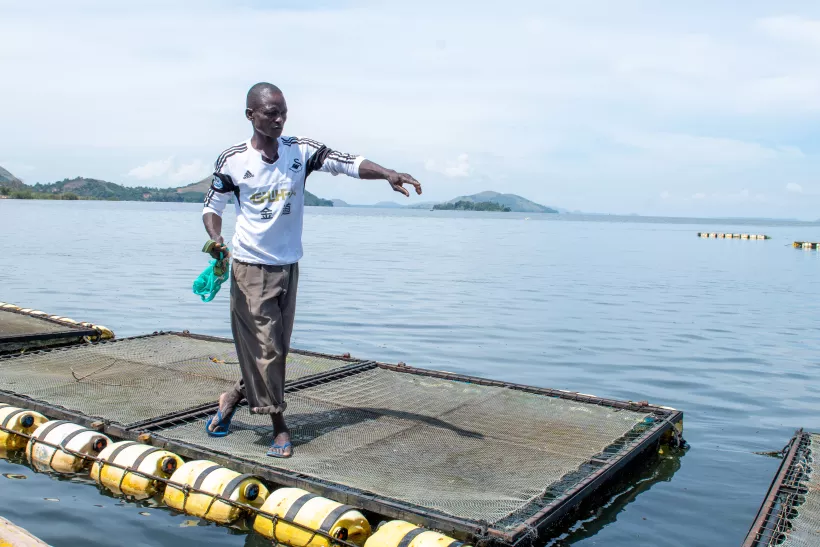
(270, 197)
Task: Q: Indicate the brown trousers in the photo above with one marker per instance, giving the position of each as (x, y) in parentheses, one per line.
(263, 305)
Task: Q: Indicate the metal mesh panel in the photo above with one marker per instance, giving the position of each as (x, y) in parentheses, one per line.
(470, 451)
(15, 324)
(800, 524)
(790, 515)
(136, 379)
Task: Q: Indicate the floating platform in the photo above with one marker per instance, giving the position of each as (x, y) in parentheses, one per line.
(806, 245)
(717, 235)
(476, 459)
(23, 329)
(790, 514)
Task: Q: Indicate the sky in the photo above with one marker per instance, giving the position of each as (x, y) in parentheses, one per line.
(700, 108)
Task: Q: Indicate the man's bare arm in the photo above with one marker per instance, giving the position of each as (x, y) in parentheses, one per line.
(373, 171)
(213, 225)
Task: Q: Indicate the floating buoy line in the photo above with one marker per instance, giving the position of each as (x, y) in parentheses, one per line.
(200, 488)
(806, 245)
(717, 235)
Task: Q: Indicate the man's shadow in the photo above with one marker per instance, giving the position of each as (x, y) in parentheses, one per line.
(309, 426)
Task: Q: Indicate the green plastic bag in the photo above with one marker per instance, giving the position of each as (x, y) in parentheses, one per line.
(212, 278)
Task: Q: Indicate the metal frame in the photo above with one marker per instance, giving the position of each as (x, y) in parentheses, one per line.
(77, 332)
(607, 463)
(768, 513)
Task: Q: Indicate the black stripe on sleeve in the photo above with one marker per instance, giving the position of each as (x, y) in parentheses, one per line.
(317, 160)
(219, 160)
(228, 153)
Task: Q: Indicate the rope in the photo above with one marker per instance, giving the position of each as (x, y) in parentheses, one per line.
(187, 489)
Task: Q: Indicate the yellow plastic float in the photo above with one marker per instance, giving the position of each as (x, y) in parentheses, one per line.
(139, 457)
(399, 532)
(21, 421)
(66, 435)
(216, 480)
(314, 512)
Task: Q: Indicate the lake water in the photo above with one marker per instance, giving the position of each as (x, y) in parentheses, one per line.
(727, 331)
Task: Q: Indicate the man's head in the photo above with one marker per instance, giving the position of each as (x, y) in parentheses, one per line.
(266, 109)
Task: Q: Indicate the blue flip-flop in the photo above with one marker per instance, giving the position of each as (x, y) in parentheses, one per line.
(275, 446)
(223, 424)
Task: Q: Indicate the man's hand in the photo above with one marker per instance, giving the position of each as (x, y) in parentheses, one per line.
(398, 180)
(218, 248)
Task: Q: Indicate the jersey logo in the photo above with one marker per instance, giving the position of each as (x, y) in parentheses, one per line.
(217, 183)
(266, 213)
(286, 210)
(297, 164)
(272, 195)
(248, 175)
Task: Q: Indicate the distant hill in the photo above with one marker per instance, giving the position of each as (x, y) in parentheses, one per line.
(514, 202)
(340, 203)
(101, 189)
(85, 188)
(10, 181)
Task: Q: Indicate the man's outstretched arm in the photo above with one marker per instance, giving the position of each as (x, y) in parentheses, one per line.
(373, 171)
(321, 158)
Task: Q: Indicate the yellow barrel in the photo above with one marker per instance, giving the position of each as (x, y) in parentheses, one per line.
(721, 236)
(25, 310)
(314, 512)
(10, 307)
(67, 436)
(105, 332)
(37, 313)
(216, 480)
(703, 234)
(20, 420)
(400, 533)
(140, 457)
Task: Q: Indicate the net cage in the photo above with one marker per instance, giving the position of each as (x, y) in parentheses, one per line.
(472, 457)
(790, 513)
(23, 331)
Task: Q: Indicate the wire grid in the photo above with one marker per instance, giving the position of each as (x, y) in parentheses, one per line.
(795, 516)
(469, 451)
(132, 380)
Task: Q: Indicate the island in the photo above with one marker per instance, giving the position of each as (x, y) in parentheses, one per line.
(464, 205)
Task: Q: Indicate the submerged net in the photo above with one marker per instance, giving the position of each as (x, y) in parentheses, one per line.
(471, 451)
(132, 380)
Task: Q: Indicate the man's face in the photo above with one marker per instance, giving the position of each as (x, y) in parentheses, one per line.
(269, 115)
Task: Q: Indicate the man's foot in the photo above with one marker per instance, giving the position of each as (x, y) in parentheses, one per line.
(219, 424)
(281, 447)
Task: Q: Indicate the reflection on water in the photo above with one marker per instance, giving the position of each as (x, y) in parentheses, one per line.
(604, 509)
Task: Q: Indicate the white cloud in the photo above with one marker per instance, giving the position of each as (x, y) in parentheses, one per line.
(697, 150)
(792, 28)
(699, 195)
(454, 169)
(169, 170)
(794, 188)
(151, 170)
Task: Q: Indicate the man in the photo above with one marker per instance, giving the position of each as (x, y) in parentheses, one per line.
(266, 176)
